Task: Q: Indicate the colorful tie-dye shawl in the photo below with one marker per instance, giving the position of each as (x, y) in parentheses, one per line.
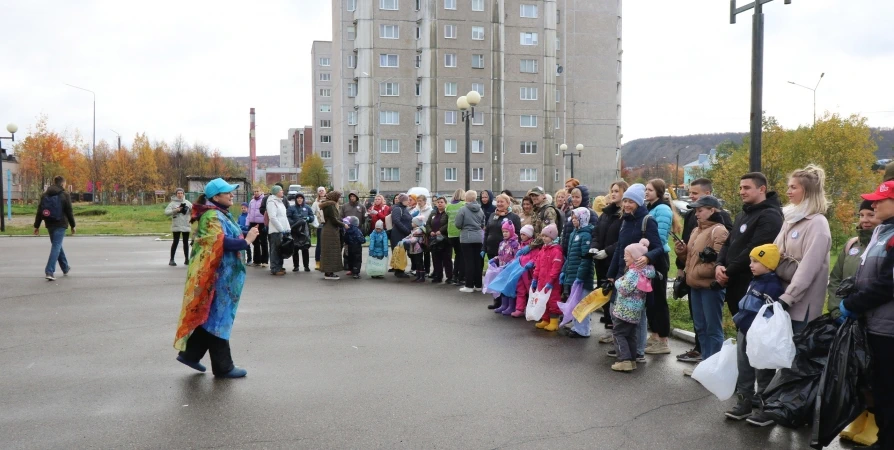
(214, 279)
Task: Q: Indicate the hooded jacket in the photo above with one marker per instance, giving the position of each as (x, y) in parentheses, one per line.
(296, 213)
(690, 222)
(508, 247)
(68, 218)
(179, 218)
(470, 221)
(569, 227)
(254, 210)
(488, 207)
(664, 215)
(493, 232)
(763, 289)
(710, 233)
(605, 237)
(756, 225)
(276, 213)
(401, 222)
(424, 213)
(848, 263)
(378, 244)
(353, 208)
(578, 266)
(875, 283)
(631, 231)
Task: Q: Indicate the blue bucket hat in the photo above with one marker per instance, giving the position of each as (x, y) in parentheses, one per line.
(219, 186)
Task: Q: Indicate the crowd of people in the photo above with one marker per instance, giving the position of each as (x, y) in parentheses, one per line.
(569, 244)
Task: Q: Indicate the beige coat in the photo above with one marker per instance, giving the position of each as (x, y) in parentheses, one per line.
(699, 275)
(808, 241)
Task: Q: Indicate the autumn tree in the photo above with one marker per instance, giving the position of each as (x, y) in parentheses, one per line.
(313, 172)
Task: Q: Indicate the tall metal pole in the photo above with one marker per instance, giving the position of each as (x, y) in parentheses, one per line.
(572, 165)
(677, 170)
(2, 214)
(467, 118)
(757, 86)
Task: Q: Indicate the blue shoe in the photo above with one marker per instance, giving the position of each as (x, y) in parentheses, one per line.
(195, 365)
(237, 372)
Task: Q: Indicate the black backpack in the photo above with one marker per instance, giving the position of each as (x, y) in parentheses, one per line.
(51, 207)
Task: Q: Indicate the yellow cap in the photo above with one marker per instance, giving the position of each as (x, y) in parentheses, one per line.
(767, 254)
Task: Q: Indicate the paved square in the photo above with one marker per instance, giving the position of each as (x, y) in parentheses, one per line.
(87, 362)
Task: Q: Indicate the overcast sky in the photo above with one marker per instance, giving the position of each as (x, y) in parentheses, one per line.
(196, 67)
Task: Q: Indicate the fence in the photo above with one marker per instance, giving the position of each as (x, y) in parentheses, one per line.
(27, 197)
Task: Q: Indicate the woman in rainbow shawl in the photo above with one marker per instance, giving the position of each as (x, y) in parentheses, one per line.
(214, 283)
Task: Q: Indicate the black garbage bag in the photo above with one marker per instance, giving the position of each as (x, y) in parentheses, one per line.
(790, 397)
(840, 397)
(301, 235)
(287, 246)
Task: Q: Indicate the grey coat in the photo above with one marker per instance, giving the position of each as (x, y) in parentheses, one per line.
(470, 221)
(179, 222)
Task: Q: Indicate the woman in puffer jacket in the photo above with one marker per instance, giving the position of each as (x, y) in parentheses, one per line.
(578, 268)
(657, 311)
(180, 210)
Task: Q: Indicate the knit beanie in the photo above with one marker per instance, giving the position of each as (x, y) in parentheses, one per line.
(508, 226)
(380, 225)
(418, 221)
(245, 204)
(638, 249)
(767, 254)
(402, 198)
(865, 204)
(276, 189)
(636, 193)
(583, 215)
(551, 231)
(527, 230)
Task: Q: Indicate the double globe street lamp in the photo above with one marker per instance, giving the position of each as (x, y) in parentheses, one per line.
(12, 128)
(564, 148)
(467, 104)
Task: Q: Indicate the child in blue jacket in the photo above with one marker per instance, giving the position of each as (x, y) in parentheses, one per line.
(378, 243)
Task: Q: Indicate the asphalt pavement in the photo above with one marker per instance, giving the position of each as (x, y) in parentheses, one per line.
(87, 362)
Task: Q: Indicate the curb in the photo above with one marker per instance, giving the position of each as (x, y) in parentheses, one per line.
(683, 335)
(85, 235)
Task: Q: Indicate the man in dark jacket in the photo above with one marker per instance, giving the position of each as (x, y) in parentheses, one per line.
(55, 212)
(757, 224)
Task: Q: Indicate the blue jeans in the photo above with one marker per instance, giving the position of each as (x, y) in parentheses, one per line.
(642, 332)
(56, 252)
(582, 328)
(707, 316)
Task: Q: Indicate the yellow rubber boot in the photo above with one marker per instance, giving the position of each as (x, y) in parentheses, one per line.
(856, 427)
(553, 324)
(542, 324)
(869, 435)
(318, 265)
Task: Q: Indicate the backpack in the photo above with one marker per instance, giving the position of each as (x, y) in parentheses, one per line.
(51, 207)
(559, 217)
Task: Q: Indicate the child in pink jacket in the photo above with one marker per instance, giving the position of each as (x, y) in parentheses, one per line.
(528, 254)
(547, 268)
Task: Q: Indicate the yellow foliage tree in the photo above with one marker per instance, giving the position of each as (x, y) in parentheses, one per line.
(313, 172)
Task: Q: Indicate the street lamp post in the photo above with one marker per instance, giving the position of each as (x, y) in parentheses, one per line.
(813, 89)
(579, 148)
(467, 104)
(93, 147)
(12, 128)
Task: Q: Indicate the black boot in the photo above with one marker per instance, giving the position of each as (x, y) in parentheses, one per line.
(742, 409)
(172, 263)
(496, 304)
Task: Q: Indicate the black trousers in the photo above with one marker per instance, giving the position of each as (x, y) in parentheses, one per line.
(260, 245)
(458, 266)
(355, 258)
(735, 290)
(177, 235)
(416, 260)
(305, 256)
(882, 388)
(657, 311)
(426, 260)
(472, 264)
(219, 349)
(318, 248)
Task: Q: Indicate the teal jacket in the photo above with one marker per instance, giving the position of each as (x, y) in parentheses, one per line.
(578, 265)
(665, 218)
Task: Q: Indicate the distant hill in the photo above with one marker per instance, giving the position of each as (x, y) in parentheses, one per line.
(264, 161)
(652, 150)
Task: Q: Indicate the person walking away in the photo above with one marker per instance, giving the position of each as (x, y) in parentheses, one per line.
(506, 254)
(806, 238)
(423, 211)
(527, 257)
(700, 255)
(578, 267)
(300, 213)
(179, 211)
(759, 223)
(439, 245)
(764, 288)
(215, 278)
(493, 231)
(872, 303)
(547, 269)
(318, 212)
(402, 223)
(244, 226)
(453, 234)
(378, 244)
(279, 226)
(657, 311)
(353, 208)
(331, 253)
(470, 220)
(54, 211)
(354, 241)
(604, 243)
(256, 220)
(632, 288)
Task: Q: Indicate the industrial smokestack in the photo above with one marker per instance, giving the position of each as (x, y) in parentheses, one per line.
(251, 148)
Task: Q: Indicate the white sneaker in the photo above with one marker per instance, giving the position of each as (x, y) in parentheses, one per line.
(50, 277)
(465, 289)
(476, 289)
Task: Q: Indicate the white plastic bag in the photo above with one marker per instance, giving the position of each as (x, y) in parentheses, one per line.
(376, 267)
(536, 304)
(719, 372)
(770, 343)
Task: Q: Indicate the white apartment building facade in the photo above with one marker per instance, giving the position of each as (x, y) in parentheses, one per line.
(548, 71)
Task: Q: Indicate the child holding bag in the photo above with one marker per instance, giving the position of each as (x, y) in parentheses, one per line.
(526, 256)
(505, 254)
(631, 288)
(548, 266)
(378, 247)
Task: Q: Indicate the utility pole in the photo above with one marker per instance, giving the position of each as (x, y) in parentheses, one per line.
(757, 74)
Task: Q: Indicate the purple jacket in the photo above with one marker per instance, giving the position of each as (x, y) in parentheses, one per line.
(254, 210)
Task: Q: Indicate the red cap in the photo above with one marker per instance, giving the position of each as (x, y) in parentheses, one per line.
(884, 191)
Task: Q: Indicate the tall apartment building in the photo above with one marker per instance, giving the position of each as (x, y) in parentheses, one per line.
(548, 71)
(294, 149)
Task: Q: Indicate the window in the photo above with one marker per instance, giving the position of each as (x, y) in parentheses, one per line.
(390, 174)
(325, 92)
(326, 154)
(558, 123)
(528, 11)
(479, 88)
(477, 61)
(352, 117)
(477, 146)
(325, 76)
(325, 139)
(478, 174)
(557, 148)
(529, 147)
(478, 118)
(326, 123)
(389, 89)
(388, 60)
(352, 174)
(418, 175)
(450, 31)
(558, 95)
(352, 61)
(352, 5)
(418, 145)
(528, 66)
(352, 89)
(450, 117)
(450, 174)
(352, 146)
(418, 61)
(528, 38)
(351, 31)
(528, 175)
(477, 33)
(418, 5)
(450, 89)
(389, 118)
(325, 108)
(558, 45)
(389, 31)
(450, 60)
(389, 146)
(325, 62)
(390, 5)
(556, 177)
(528, 121)
(528, 93)
(477, 5)
(418, 119)
(449, 4)
(418, 89)
(418, 33)
(450, 145)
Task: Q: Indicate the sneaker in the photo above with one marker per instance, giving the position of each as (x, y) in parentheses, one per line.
(687, 372)
(760, 419)
(641, 358)
(296, 269)
(624, 366)
(307, 269)
(476, 289)
(172, 263)
(466, 289)
(612, 353)
(575, 334)
(237, 372)
(400, 274)
(50, 277)
(658, 348)
(65, 272)
(278, 274)
(349, 274)
(331, 276)
(691, 356)
(651, 341)
(607, 338)
(742, 409)
(356, 277)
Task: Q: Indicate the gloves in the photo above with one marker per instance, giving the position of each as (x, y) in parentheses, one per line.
(529, 266)
(845, 313)
(593, 251)
(566, 290)
(548, 287)
(482, 254)
(601, 254)
(562, 278)
(493, 261)
(534, 285)
(523, 251)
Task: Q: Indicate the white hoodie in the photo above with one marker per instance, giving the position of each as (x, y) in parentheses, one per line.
(276, 212)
